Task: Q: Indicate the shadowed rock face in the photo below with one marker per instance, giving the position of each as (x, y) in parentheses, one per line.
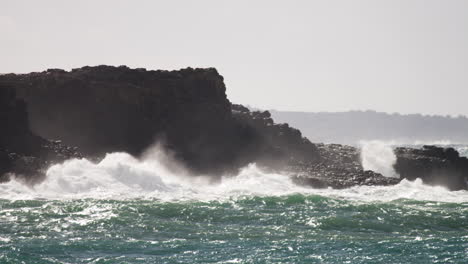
(16, 140)
(106, 109)
(21, 152)
(434, 165)
(14, 120)
(102, 109)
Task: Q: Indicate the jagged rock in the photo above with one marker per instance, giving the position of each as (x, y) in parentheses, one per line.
(276, 145)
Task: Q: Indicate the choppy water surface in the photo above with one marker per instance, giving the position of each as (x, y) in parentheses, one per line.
(127, 211)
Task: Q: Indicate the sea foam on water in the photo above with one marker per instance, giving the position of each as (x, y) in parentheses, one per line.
(121, 176)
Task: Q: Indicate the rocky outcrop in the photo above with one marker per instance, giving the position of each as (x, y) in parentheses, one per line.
(274, 145)
(282, 148)
(21, 152)
(106, 109)
(338, 167)
(434, 165)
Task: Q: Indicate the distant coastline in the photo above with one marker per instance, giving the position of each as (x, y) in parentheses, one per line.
(354, 126)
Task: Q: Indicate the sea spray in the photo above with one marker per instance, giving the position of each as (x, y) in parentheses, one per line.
(128, 210)
(378, 156)
(462, 150)
(121, 176)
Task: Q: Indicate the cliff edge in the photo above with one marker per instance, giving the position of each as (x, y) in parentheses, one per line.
(108, 109)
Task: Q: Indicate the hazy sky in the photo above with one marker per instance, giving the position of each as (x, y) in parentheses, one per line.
(404, 56)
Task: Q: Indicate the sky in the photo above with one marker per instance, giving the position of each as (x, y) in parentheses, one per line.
(405, 56)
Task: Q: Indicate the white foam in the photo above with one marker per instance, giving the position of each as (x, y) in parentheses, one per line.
(462, 150)
(121, 176)
(442, 142)
(414, 190)
(378, 156)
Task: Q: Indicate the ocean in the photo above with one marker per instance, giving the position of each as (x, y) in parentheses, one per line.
(124, 210)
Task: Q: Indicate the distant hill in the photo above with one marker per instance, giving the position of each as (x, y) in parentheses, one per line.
(353, 126)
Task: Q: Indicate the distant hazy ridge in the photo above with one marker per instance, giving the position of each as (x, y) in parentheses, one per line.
(351, 127)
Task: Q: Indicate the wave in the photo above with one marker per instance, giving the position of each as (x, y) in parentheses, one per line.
(121, 176)
(463, 150)
(379, 147)
(378, 156)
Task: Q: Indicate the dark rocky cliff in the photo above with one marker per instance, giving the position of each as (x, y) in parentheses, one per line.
(21, 152)
(106, 109)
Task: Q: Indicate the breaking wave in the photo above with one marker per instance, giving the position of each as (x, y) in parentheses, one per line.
(121, 176)
(378, 156)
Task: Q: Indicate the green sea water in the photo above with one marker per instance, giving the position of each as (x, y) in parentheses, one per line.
(285, 229)
(123, 210)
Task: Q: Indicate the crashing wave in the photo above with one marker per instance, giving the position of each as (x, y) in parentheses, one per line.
(121, 176)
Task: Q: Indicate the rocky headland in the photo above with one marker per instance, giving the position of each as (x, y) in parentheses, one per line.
(107, 109)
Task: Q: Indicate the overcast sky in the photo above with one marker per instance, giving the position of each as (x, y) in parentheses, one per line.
(407, 56)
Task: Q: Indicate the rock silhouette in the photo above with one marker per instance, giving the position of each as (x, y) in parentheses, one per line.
(21, 152)
(434, 165)
(108, 109)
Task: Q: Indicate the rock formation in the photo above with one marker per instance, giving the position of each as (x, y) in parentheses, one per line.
(339, 167)
(434, 165)
(21, 152)
(107, 109)
(274, 145)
